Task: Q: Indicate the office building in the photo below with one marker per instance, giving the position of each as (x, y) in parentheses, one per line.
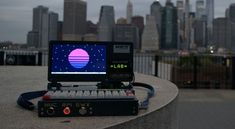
(138, 21)
(210, 18)
(126, 33)
(75, 14)
(199, 26)
(150, 36)
(106, 23)
(222, 33)
(187, 26)
(169, 27)
(200, 9)
(129, 12)
(41, 26)
(59, 30)
(156, 11)
(32, 39)
(232, 22)
(53, 26)
(180, 14)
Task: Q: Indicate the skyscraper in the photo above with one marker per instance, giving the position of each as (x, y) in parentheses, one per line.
(75, 14)
(156, 11)
(169, 27)
(200, 9)
(231, 12)
(232, 22)
(138, 21)
(41, 25)
(221, 32)
(150, 36)
(53, 26)
(187, 26)
(210, 18)
(129, 12)
(126, 33)
(106, 23)
(180, 14)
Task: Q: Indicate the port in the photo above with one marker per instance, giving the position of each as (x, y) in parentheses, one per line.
(66, 111)
(51, 111)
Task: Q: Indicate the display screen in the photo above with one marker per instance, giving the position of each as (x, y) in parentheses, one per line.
(80, 58)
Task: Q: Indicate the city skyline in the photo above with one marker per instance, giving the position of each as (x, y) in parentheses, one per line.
(16, 16)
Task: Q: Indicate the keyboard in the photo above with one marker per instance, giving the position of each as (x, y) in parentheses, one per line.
(90, 94)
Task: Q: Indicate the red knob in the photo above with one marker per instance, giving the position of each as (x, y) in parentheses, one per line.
(66, 111)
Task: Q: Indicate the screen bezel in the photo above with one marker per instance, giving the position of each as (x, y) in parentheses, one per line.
(74, 77)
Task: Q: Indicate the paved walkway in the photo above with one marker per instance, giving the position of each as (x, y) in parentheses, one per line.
(207, 109)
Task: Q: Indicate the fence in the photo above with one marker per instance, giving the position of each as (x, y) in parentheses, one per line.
(201, 71)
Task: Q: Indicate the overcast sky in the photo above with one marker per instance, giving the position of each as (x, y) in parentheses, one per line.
(16, 15)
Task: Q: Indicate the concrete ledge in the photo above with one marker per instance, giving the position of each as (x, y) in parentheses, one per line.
(162, 112)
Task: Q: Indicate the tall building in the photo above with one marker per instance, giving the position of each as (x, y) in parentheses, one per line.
(41, 26)
(232, 22)
(180, 14)
(129, 12)
(156, 11)
(231, 12)
(210, 18)
(200, 32)
(150, 36)
(106, 23)
(126, 33)
(187, 26)
(180, 8)
(75, 14)
(200, 9)
(53, 26)
(222, 33)
(60, 30)
(169, 27)
(138, 21)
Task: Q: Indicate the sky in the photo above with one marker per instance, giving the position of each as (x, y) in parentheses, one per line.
(16, 15)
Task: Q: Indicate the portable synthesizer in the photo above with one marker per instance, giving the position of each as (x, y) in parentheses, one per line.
(88, 103)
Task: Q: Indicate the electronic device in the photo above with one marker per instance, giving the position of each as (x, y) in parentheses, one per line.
(108, 63)
(103, 102)
(90, 61)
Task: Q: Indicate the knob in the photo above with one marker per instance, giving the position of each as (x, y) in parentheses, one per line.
(66, 111)
(83, 111)
(51, 111)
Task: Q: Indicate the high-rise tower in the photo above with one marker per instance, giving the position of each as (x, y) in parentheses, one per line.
(210, 18)
(40, 25)
(106, 23)
(75, 14)
(129, 12)
(156, 11)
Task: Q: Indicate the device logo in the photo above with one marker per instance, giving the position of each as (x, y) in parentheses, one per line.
(78, 58)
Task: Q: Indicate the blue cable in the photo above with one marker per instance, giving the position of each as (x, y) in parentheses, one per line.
(151, 92)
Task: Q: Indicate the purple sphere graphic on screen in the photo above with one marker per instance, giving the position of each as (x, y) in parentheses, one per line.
(78, 58)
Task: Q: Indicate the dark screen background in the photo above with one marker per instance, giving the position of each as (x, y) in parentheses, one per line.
(60, 62)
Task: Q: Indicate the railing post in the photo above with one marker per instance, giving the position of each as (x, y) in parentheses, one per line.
(156, 65)
(233, 73)
(1, 57)
(195, 72)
